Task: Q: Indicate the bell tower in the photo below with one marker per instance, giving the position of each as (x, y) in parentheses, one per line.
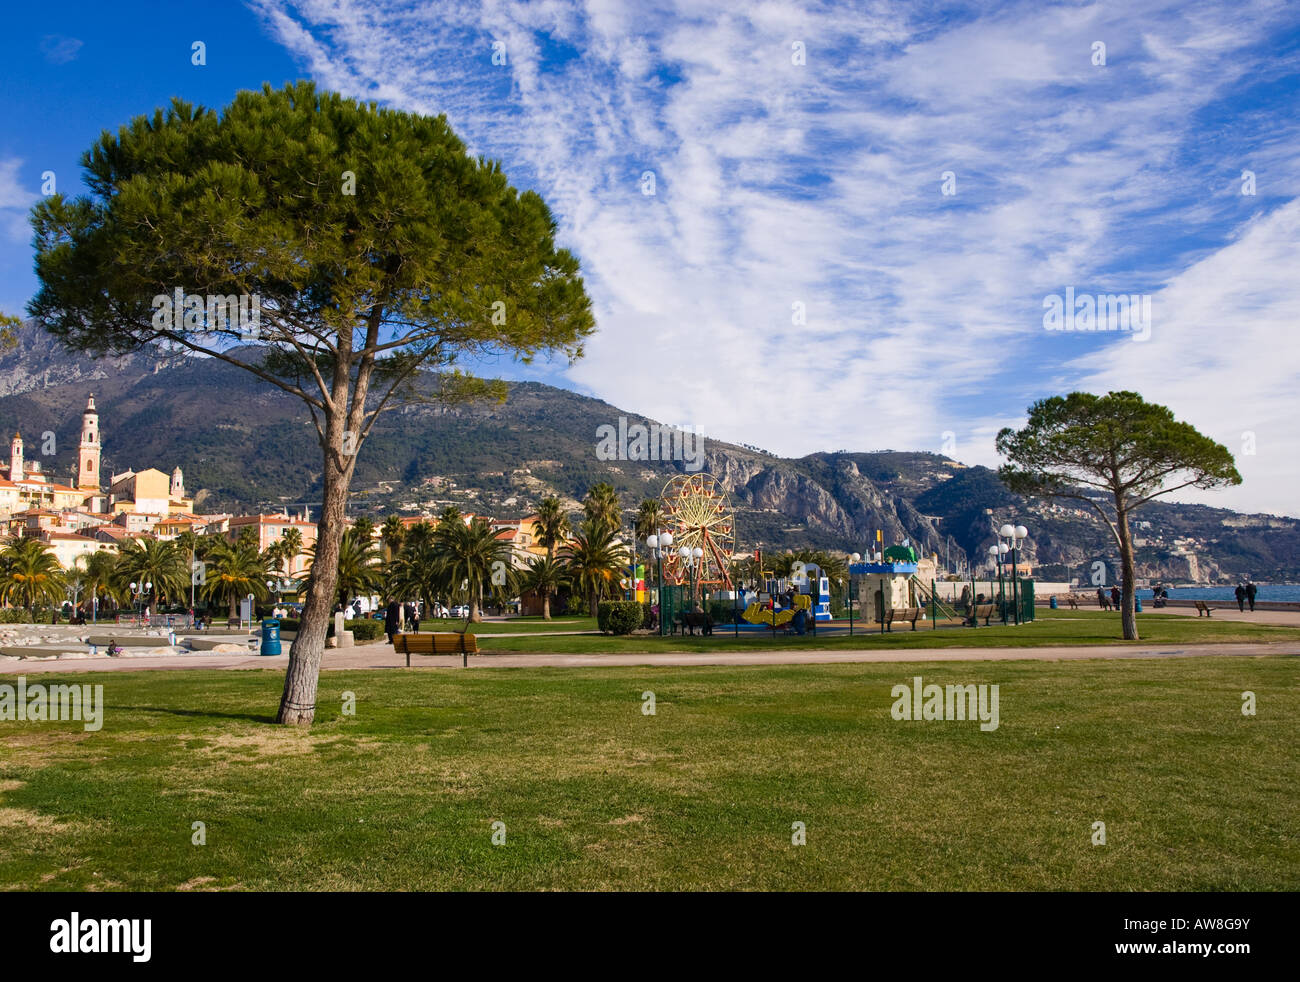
(16, 471)
(88, 453)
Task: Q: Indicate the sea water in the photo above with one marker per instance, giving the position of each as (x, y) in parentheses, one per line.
(1273, 593)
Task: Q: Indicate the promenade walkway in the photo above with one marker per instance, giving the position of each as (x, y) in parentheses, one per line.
(383, 656)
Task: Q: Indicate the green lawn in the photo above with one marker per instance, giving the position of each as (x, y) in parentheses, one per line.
(1053, 627)
(702, 795)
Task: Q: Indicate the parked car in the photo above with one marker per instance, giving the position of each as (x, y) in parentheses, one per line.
(460, 610)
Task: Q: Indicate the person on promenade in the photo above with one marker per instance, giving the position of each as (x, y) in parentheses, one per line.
(392, 620)
(1251, 590)
(1102, 600)
(1240, 594)
(1114, 597)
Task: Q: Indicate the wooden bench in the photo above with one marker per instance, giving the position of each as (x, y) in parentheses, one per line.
(690, 620)
(985, 611)
(1203, 608)
(903, 615)
(436, 643)
(1073, 601)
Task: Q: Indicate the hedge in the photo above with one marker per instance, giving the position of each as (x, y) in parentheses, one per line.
(619, 616)
(366, 629)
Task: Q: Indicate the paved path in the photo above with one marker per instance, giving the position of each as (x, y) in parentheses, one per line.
(383, 656)
(1284, 618)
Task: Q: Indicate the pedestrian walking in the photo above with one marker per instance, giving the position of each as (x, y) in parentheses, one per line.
(392, 620)
(1102, 600)
(1240, 594)
(1251, 590)
(1114, 597)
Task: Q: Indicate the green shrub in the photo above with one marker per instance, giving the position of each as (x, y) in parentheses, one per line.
(724, 611)
(365, 630)
(619, 616)
(576, 605)
(647, 616)
(19, 615)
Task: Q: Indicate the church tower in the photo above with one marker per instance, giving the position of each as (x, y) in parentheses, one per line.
(88, 454)
(16, 458)
(178, 485)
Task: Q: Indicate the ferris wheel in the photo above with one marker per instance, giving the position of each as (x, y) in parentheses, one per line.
(697, 512)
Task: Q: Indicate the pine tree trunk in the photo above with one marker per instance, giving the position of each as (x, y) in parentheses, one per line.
(1128, 615)
(298, 703)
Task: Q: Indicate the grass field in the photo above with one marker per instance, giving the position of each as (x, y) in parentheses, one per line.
(1053, 627)
(702, 795)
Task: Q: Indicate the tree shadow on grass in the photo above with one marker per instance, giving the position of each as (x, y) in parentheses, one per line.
(199, 713)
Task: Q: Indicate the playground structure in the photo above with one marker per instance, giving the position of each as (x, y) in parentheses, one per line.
(897, 580)
(781, 600)
(892, 586)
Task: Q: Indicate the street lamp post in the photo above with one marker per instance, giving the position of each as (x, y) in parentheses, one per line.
(995, 560)
(697, 565)
(684, 553)
(1020, 534)
(1015, 534)
(657, 544)
(848, 590)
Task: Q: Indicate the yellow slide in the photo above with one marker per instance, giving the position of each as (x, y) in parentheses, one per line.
(755, 613)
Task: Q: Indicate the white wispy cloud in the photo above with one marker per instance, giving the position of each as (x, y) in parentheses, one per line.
(16, 201)
(819, 184)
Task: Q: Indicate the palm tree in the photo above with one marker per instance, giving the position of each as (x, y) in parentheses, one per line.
(552, 525)
(359, 573)
(188, 544)
(419, 534)
(234, 571)
(467, 558)
(100, 577)
(595, 560)
(30, 574)
(292, 540)
(364, 527)
(648, 516)
(391, 533)
(602, 506)
(545, 577)
(414, 573)
(143, 561)
(273, 555)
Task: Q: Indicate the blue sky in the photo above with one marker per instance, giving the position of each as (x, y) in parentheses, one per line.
(799, 279)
